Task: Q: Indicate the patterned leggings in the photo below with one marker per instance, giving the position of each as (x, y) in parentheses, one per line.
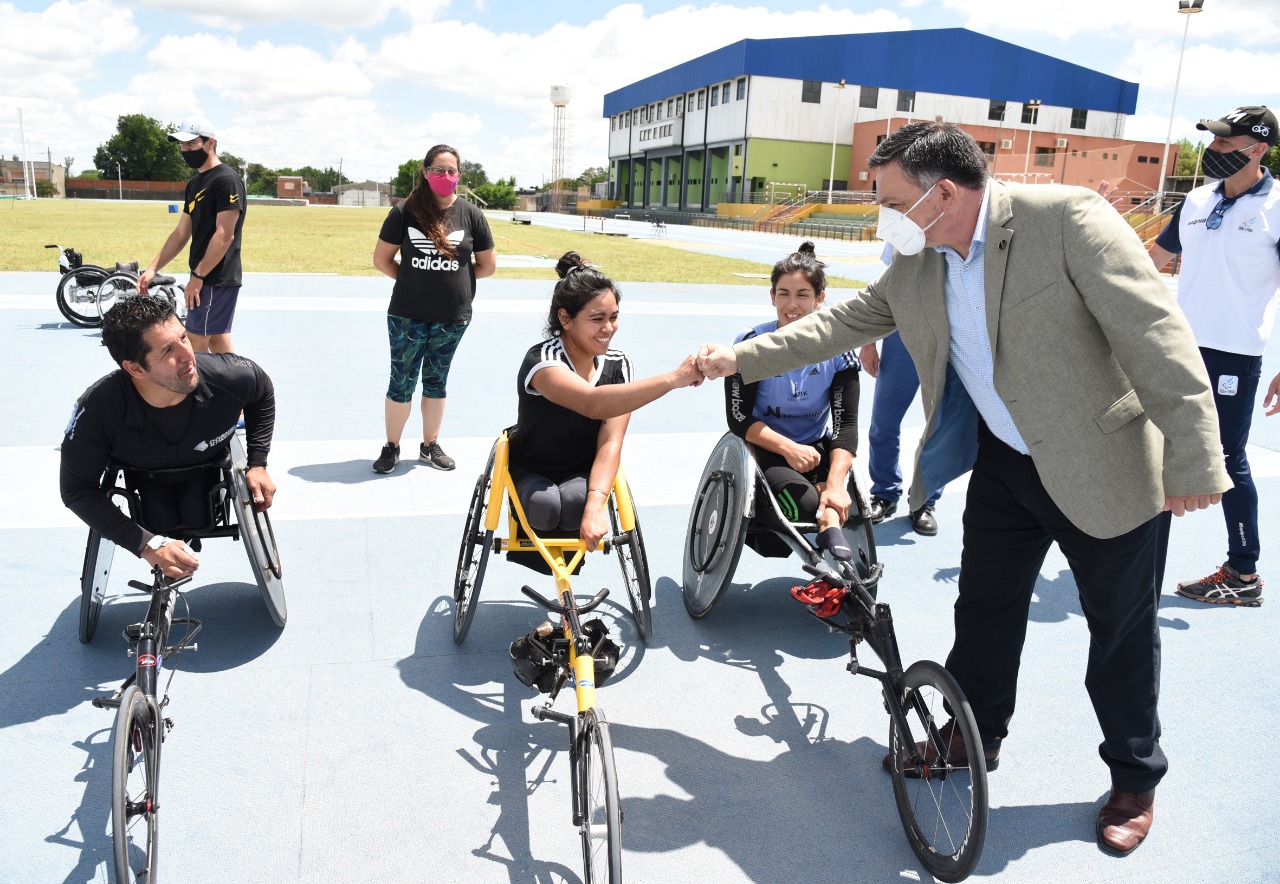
(421, 346)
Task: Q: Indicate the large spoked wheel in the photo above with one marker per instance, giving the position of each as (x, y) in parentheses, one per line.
(601, 827)
(717, 525)
(473, 555)
(98, 555)
(135, 775)
(114, 288)
(78, 295)
(943, 807)
(635, 570)
(258, 537)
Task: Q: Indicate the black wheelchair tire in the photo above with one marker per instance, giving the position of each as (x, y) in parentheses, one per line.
(91, 318)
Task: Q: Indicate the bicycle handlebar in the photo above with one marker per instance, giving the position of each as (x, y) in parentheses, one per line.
(561, 609)
(163, 583)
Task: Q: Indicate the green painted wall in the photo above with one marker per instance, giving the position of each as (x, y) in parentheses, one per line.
(797, 161)
(693, 189)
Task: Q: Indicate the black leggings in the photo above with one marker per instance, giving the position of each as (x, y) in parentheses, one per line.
(551, 506)
(796, 492)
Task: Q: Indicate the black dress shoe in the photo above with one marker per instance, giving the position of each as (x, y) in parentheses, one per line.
(882, 509)
(923, 522)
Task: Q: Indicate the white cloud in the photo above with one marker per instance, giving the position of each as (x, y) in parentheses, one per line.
(337, 14)
(515, 71)
(1205, 69)
(1251, 22)
(49, 54)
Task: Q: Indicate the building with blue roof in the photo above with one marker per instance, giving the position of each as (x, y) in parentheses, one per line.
(806, 113)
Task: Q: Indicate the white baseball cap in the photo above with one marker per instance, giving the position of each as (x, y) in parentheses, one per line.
(193, 128)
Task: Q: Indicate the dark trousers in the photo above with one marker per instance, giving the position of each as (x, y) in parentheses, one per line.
(1234, 378)
(1009, 523)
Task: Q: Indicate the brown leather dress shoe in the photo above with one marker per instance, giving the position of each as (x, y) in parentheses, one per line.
(1125, 820)
(957, 753)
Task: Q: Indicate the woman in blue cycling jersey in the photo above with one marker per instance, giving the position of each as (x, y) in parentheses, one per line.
(803, 424)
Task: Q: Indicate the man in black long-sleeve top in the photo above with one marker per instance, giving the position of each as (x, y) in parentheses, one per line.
(166, 407)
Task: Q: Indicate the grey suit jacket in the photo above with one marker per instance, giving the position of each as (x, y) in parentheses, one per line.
(1092, 357)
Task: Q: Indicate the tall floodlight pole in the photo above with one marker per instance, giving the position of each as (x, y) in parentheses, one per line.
(1187, 8)
(560, 96)
(1034, 104)
(28, 186)
(120, 181)
(835, 129)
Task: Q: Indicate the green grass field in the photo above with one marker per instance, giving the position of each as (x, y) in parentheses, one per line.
(327, 239)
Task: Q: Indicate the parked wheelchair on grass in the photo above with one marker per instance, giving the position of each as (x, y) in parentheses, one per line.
(942, 801)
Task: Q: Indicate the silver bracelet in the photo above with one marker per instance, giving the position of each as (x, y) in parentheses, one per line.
(598, 491)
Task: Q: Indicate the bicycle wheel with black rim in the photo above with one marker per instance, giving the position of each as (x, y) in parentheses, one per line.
(473, 555)
(943, 805)
(98, 555)
(115, 288)
(135, 772)
(78, 295)
(601, 827)
(635, 570)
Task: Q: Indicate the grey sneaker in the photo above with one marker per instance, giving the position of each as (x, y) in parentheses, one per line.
(1224, 587)
(387, 461)
(433, 456)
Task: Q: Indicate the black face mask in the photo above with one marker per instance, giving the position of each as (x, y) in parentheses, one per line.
(195, 158)
(1223, 165)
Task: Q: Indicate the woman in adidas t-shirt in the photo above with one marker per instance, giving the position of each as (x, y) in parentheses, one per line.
(576, 396)
(437, 236)
(786, 417)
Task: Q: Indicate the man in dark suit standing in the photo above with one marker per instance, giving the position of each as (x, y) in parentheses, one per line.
(1054, 364)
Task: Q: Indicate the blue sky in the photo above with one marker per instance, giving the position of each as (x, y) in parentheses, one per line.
(375, 82)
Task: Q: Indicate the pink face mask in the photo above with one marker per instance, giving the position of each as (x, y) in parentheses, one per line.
(442, 185)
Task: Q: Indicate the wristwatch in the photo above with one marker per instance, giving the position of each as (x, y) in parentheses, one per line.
(195, 275)
(157, 541)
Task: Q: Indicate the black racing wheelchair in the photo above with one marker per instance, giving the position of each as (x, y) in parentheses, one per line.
(231, 514)
(941, 797)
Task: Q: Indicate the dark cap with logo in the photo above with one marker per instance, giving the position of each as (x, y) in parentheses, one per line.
(1256, 122)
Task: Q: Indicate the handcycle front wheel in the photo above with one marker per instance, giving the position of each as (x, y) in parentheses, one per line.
(601, 827)
(98, 555)
(473, 554)
(135, 774)
(943, 807)
(635, 571)
(77, 295)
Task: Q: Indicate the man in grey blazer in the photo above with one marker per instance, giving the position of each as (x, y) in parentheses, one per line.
(1055, 364)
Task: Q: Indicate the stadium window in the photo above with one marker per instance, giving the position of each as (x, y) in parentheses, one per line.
(742, 89)
(1030, 114)
(907, 101)
(1142, 159)
(869, 97)
(680, 106)
(996, 111)
(658, 116)
(715, 95)
(671, 106)
(724, 97)
(989, 148)
(701, 94)
(1046, 156)
(810, 91)
(1078, 117)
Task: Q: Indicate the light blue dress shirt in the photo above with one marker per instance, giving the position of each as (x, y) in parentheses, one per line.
(970, 355)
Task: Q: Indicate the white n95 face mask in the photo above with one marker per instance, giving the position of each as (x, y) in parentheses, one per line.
(899, 231)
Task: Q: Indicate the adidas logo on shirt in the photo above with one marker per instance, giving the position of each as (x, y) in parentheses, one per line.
(432, 259)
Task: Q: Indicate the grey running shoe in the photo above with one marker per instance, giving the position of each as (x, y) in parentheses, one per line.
(387, 461)
(433, 456)
(1224, 587)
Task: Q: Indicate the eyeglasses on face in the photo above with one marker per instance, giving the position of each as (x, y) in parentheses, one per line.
(1215, 217)
(441, 170)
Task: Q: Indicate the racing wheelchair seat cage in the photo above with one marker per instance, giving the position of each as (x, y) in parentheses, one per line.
(734, 508)
(558, 556)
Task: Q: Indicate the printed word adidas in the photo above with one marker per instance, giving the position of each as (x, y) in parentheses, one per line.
(436, 263)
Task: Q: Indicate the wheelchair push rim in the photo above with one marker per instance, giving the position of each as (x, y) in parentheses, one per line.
(259, 538)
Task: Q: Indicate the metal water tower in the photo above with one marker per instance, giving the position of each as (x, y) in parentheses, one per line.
(560, 96)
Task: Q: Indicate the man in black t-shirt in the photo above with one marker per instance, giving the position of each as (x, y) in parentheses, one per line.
(166, 407)
(212, 218)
